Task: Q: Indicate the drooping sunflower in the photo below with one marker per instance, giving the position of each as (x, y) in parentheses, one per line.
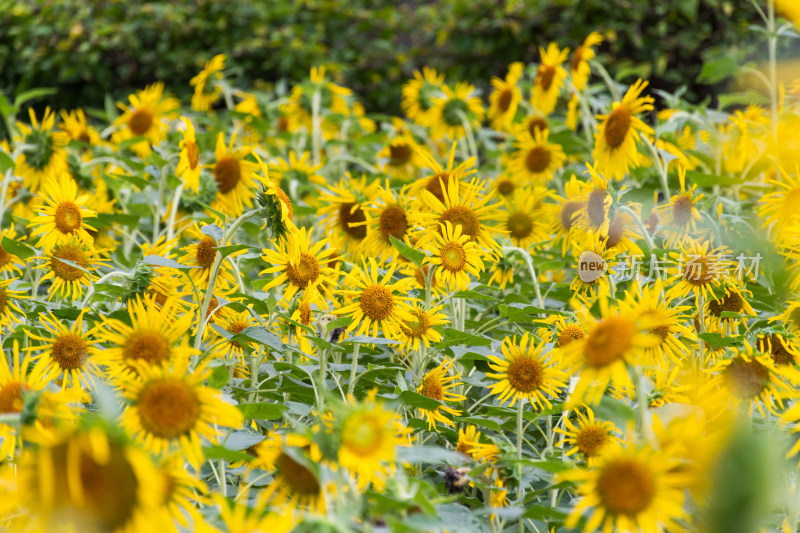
(455, 256)
(293, 460)
(587, 435)
(501, 273)
(206, 88)
(436, 183)
(377, 305)
(236, 177)
(505, 98)
(536, 160)
(594, 216)
(67, 280)
(454, 108)
(189, 167)
(389, 215)
(305, 266)
(678, 219)
(157, 336)
(145, 117)
(45, 156)
(402, 158)
(275, 207)
(420, 330)
(614, 340)
(61, 213)
(9, 262)
(342, 211)
(437, 385)
(563, 214)
(68, 353)
(526, 373)
(700, 269)
(629, 490)
(579, 64)
(618, 133)
(467, 208)
(525, 221)
(549, 78)
(418, 95)
(169, 408)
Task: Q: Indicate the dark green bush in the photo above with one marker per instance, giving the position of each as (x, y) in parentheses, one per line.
(89, 49)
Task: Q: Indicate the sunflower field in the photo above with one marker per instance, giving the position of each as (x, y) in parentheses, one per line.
(570, 303)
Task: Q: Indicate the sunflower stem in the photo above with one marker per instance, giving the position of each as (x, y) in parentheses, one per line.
(315, 126)
(641, 398)
(173, 211)
(660, 167)
(4, 194)
(534, 279)
(469, 136)
(352, 384)
(157, 213)
(520, 490)
(701, 344)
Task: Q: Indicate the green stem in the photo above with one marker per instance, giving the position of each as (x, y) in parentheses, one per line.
(520, 489)
(353, 368)
(531, 269)
(315, 127)
(157, 214)
(173, 211)
(323, 373)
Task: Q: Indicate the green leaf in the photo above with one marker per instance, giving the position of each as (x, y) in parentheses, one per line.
(615, 411)
(415, 399)
(717, 70)
(718, 340)
(157, 260)
(21, 250)
(220, 215)
(30, 95)
(219, 377)
(262, 410)
(213, 231)
(361, 339)
(219, 452)
(453, 336)
(415, 256)
(473, 295)
(429, 455)
(5, 162)
(262, 336)
(232, 249)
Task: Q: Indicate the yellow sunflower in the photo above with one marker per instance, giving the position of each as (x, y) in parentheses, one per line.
(390, 214)
(700, 269)
(201, 254)
(579, 64)
(436, 183)
(293, 461)
(156, 336)
(169, 408)
(235, 176)
(183, 494)
(592, 253)
(453, 109)
(455, 256)
(524, 220)
(563, 214)
(593, 217)
(342, 211)
(377, 304)
(588, 435)
(305, 266)
(402, 158)
(233, 323)
(296, 173)
(9, 262)
(778, 209)
(418, 95)
(77, 127)
(505, 98)
(618, 133)
(68, 280)
(501, 273)
(526, 373)
(61, 213)
(437, 385)
(780, 347)
(731, 299)
(419, 330)
(44, 156)
(206, 88)
(535, 160)
(629, 490)
(10, 313)
(678, 219)
(189, 167)
(145, 117)
(549, 78)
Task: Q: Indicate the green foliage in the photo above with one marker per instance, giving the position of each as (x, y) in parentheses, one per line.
(89, 49)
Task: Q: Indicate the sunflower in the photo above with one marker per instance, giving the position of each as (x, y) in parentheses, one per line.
(466, 208)
(145, 118)
(549, 77)
(67, 353)
(419, 330)
(579, 64)
(419, 277)
(377, 303)
(276, 207)
(369, 436)
(78, 129)
(778, 209)
(612, 342)
(437, 385)
(563, 214)
(535, 159)
(389, 215)
(588, 435)
(615, 141)
(293, 460)
(206, 87)
(501, 273)
(183, 492)
(731, 299)
(466, 437)
(189, 167)
(455, 256)
(594, 216)
(565, 330)
(170, 408)
(592, 252)
(342, 209)
(780, 347)
(505, 98)
(700, 270)
(69, 280)
(201, 254)
(156, 336)
(10, 313)
(296, 174)
(9, 262)
(436, 183)
(630, 490)
(453, 109)
(526, 373)
(61, 213)
(89, 480)
(236, 177)
(790, 317)
(524, 221)
(418, 95)
(679, 218)
(402, 159)
(44, 156)
(304, 266)
(233, 323)
(650, 303)
(238, 517)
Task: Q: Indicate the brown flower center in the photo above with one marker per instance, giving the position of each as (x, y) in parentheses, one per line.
(285, 199)
(227, 173)
(298, 479)
(732, 302)
(168, 408)
(206, 252)
(626, 487)
(192, 154)
(393, 222)
(417, 326)
(682, 210)
(305, 313)
(463, 216)
(537, 159)
(11, 397)
(609, 341)
(577, 57)
(453, 255)
(748, 379)
(777, 350)
(698, 271)
(505, 187)
(147, 345)
(64, 271)
(377, 302)
(570, 333)
(591, 439)
(4, 299)
(544, 76)
(399, 154)
(537, 124)
(432, 388)
(596, 207)
(69, 351)
(616, 230)
(568, 212)
(304, 272)
(617, 125)
(348, 215)
(525, 374)
(519, 225)
(437, 187)
(504, 100)
(68, 218)
(140, 122)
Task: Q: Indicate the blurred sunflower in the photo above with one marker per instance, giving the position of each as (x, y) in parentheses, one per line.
(579, 64)
(505, 98)
(77, 127)
(594, 216)
(170, 408)
(9, 262)
(454, 109)
(402, 158)
(296, 174)
(618, 133)
(779, 208)
(454, 255)
(780, 347)
(437, 385)
(549, 78)
(44, 156)
(189, 167)
(201, 254)
(206, 84)
(678, 219)
(526, 373)
(524, 220)
(699, 269)
(184, 492)
(418, 95)
(61, 213)
(68, 280)
(536, 160)
(587, 435)
(10, 313)
(732, 299)
(563, 214)
(145, 117)
(236, 177)
(293, 460)
(501, 273)
(436, 184)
